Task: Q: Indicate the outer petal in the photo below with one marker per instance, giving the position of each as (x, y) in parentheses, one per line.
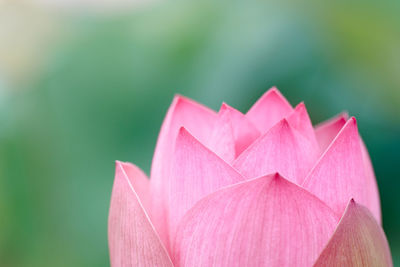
(357, 241)
(269, 109)
(196, 172)
(131, 236)
(281, 149)
(327, 131)
(232, 133)
(139, 182)
(199, 120)
(339, 174)
(266, 221)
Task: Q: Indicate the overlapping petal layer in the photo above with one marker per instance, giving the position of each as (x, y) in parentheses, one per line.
(281, 149)
(131, 237)
(209, 209)
(327, 131)
(232, 133)
(196, 172)
(269, 109)
(339, 174)
(300, 121)
(266, 221)
(199, 120)
(358, 241)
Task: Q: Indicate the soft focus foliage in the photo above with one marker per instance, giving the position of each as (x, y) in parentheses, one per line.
(80, 88)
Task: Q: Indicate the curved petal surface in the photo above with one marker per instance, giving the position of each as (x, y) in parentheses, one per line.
(222, 139)
(269, 109)
(339, 174)
(300, 121)
(131, 236)
(199, 120)
(266, 221)
(196, 172)
(232, 134)
(139, 182)
(357, 241)
(282, 149)
(327, 131)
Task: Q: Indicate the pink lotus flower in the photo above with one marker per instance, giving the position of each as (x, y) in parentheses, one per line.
(263, 188)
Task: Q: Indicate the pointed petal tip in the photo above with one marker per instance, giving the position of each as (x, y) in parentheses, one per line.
(300, 106)
(119, 165)
(353, 119)
(273, 89)
(210, 221)
(184, 137)
(224, 106)
(358, 240)
(352, 123)
(277, 177)
(129, 223)
(124, 164)
(284, 124)
(342, 120)
(179, 99)
(183, 133)
(182, 130)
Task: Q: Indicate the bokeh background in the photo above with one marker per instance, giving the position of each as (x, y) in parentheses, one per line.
(83, 83)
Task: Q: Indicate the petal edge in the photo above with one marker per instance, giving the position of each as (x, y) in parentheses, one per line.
(132, 238)
(357, 241)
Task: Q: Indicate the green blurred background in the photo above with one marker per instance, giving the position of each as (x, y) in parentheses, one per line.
(83, 83)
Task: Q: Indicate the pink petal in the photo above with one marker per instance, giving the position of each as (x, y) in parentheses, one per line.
(131, 236)
(339, 174)
(232, 133)
(199, 120)
(244, 131)
(357, 241)
(282, 149)
(300, 121)
(269, 109)
(222, 139)
(327, 131)
(266, 221)
(196, 172)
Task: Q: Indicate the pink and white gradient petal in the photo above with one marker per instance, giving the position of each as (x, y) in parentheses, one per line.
(357, 241)
(132, 238)
(266, 221)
